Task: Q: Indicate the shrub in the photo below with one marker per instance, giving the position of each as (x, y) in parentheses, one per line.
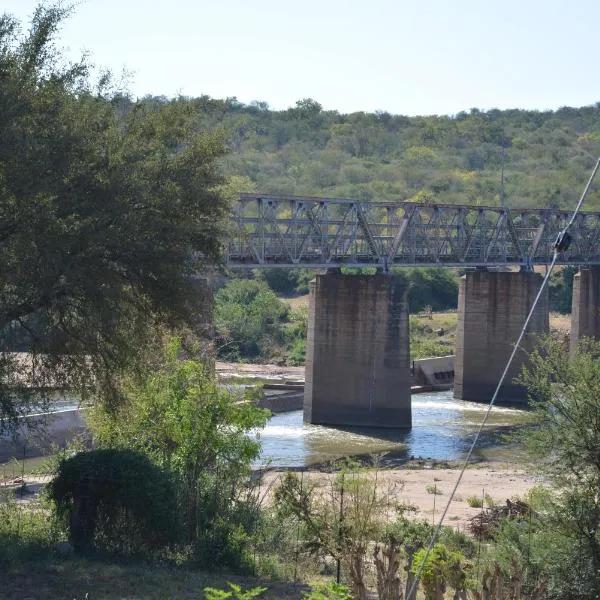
(235, 592)
(475, 502)
(115, 500)
(248, 318)
(329, 591)
(433, 489)
(178, 416)
(26, 531)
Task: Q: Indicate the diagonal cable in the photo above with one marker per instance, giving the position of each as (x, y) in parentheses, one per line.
(561, 244)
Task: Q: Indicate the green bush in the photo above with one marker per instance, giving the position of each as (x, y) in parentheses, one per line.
(235, 592)
(329, 591)
(248, 318)
(115, 500)
(435, 287)
(286, 282)
(475, 502)
(27, 532)
(198, 431)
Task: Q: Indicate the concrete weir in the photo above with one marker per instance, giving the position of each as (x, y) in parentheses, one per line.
(357, 362)
(492, 307)
(585, 312)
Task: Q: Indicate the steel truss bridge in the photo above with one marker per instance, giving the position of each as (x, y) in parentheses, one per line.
(286, 231)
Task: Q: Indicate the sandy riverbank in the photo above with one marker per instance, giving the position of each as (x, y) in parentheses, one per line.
(273, 373)
(409, 486)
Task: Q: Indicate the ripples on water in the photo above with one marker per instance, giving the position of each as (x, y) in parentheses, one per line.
(443, 429)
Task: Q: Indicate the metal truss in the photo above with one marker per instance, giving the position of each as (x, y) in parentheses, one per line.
(284, 231)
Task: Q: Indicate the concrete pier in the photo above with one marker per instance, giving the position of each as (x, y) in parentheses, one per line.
(357, 360)
(492, 308)
(585, 311)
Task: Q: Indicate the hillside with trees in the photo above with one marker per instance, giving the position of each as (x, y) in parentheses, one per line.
(543, 158)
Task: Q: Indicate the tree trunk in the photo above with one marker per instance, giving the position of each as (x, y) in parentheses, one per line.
(387, 565)
(356, 576)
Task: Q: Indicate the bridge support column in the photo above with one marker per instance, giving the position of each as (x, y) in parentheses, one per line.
(357, 360)
(492, 308)
(585, 311)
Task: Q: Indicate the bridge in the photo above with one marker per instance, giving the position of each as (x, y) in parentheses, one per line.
(358, 351)
(287, 231)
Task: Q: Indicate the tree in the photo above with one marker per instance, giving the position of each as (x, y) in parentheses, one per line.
(176, 414)
(108, 209)
(565, 395)
(248, 317)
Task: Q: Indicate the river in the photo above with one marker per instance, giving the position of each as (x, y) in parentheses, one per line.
(443, 429)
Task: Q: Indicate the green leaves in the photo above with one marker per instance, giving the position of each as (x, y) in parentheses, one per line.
(235, 592)
(107, 208)
(248, 317)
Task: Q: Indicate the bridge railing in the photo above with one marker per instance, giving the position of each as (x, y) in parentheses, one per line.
(267, 231)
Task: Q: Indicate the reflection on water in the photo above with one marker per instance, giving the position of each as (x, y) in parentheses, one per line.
(443, 429)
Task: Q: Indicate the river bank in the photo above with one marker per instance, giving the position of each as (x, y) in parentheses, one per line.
(426, 489)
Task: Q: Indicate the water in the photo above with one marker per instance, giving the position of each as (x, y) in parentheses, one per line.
(443, 429)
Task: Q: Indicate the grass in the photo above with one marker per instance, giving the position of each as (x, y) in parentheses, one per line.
(433, 489)
(433, 336)
(75, 577)
(475, 502)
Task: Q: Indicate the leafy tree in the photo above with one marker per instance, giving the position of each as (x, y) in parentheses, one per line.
(561, 289)
(287, 282)
(443, 568)
(108, 208)
(437, 288)
(248, 317)
(565, 395)
(177, 415)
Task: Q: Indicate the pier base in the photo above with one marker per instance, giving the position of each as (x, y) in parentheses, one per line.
(585, 311)
(492, 308)
(357, 362)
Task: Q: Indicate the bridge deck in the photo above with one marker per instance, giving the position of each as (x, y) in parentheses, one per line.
(286, 231)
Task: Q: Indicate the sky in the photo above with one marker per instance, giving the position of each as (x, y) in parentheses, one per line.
(418, 57)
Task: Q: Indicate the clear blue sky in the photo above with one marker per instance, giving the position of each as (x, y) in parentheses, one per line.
(408, 57)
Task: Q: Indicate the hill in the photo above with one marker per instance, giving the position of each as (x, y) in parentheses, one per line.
(544, 158)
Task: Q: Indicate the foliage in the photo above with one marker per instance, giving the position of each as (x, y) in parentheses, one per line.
(436, 288)
(177, 415)
(295, 334)
(433, 489)
(235, 592)
(443, 568)
(565, 396)
(341, 520)
(115, 500)
(349, 519)
(328, 591)
(107, 208)
(432, 336)
(286, 282)
(560, 289)
(26, 531)
(546, 156)
(475, 501)
(248, 317)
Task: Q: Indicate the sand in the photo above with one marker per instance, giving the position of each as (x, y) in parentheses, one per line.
(410, 487)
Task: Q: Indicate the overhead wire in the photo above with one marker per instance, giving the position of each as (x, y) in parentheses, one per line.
(560, 245)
